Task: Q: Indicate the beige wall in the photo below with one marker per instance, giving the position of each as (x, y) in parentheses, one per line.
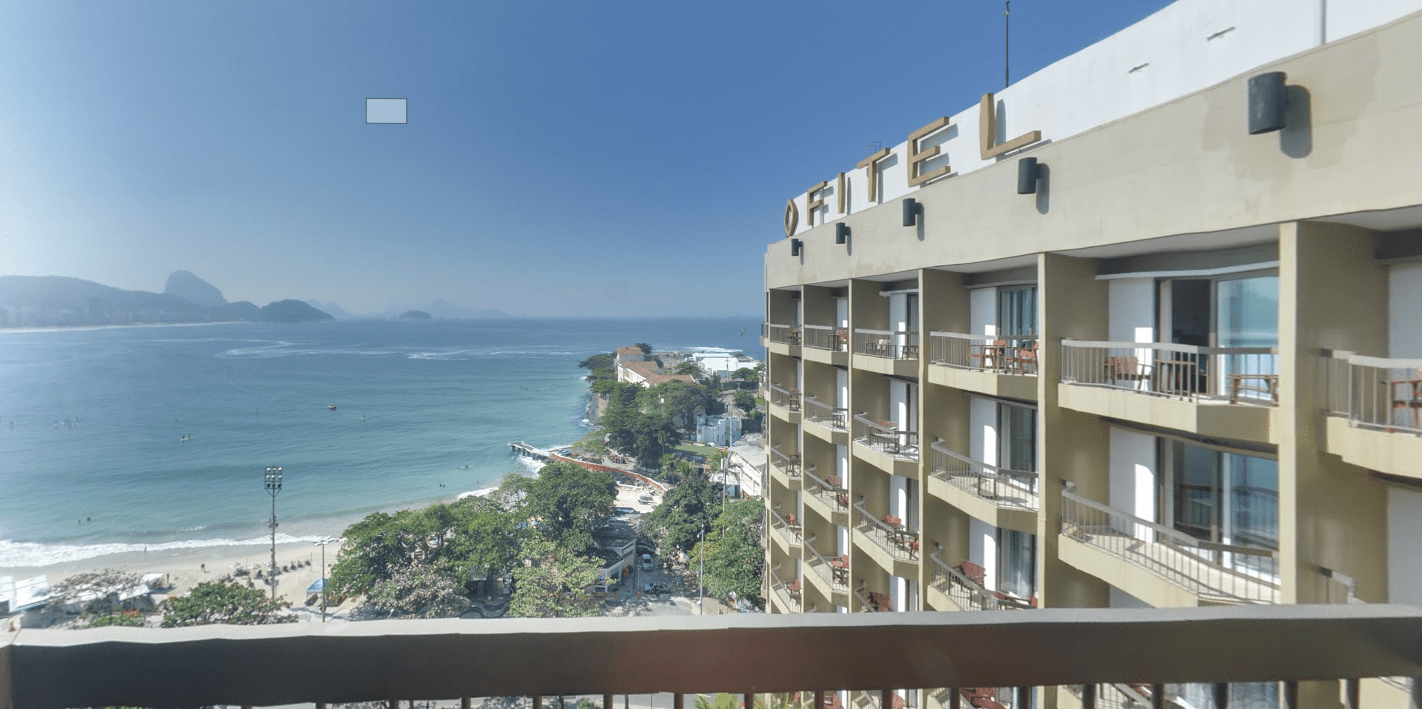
(1188, 166)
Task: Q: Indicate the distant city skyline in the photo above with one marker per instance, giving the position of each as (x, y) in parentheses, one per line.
(559, 158)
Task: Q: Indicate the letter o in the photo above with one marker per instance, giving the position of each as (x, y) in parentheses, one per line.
(792, 217)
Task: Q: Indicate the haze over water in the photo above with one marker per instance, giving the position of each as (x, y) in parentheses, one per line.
(415, 402)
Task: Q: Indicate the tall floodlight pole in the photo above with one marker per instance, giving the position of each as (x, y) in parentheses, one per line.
(1007, 44)
(322, 543)
(273, 487)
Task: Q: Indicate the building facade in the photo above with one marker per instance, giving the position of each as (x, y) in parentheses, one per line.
(1118, 340)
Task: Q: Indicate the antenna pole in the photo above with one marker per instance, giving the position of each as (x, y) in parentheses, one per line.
(1007, 44)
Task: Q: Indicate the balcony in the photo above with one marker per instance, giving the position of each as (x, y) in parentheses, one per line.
(788, 531)
(783, 339)
(996, 366)
(885, 445)
(888, 540)
(381, 661)
(828, 496)
(1374, 409)
(832, 571)
(887, 351)
(830, 423)
(787, 593)
(785, 468)
(785, 403)
(1002, 497)
(966, 593)
(1163, 566)
(829, 345)
(1224, 392)
(872, 601)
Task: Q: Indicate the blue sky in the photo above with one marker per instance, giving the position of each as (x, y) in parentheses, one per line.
(561, 158)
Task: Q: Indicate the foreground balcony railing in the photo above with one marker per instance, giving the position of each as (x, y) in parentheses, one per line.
(889, 532)
(901, 344)
(823, 337)
(788, 398)
(746, 654)
(788, 528)
(1003, 487)
(1209, 570)
(829, 489)
(988, 353)
(885, 437)
(783, 334)
(967, 594)
(1232, 374)
(834, 570)
(1375, 392)
(821, 413)
(788, 463)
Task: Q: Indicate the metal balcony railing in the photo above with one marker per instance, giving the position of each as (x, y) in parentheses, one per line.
(823, 337)
(891, 535)
(886, 437)
(450, 659)
(834, 570)
(788, 464)
(873, 601)
(789, 529)
(1227, 572)
(967, 594)
(835, 417)
(1004, 487)
(890, 344)
(1004, 354)
(783, 334)
(829, 489)
(788, 398)
(788, 592)
(1233, 374)
(1375, 392)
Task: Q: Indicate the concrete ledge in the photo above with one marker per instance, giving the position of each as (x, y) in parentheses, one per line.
(1392, 453)
(834, 357)
(1240, 422)
(1124, 575)
(782, 348)
(836, 436)
(1011, 386)
(1016, 519)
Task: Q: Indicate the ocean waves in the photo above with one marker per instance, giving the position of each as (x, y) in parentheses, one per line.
(22, 554)
(299, 349)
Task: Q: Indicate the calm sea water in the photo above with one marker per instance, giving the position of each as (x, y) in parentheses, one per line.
(416, 403)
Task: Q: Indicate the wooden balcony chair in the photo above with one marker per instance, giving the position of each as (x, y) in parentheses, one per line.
(1024, 360)
(841, 340)
(982, 697)
(989, 356)
(975, 572)
(1268, 384)
(1126, 367)
(1406, 394)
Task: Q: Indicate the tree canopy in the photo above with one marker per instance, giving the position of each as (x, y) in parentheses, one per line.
(646, 348)
(553, 583)
(213, 602)
(734, 558)
(684, 513)
(570, 500)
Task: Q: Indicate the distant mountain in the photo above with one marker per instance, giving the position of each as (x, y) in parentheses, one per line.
(335, 310)
(241, 310)
(293, 311)
(415, 315)
(186, 285)
(445, 309)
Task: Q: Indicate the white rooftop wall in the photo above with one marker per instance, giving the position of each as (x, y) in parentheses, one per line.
(1187, 46)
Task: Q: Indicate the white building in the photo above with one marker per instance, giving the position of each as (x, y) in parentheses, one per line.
(717, 430)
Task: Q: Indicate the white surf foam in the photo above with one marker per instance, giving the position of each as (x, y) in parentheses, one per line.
(32, 554)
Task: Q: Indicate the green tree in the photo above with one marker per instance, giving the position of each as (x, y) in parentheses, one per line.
(735, 560)
(132, 618)
(646, 348)
(743, 373)
(570, 501)
(418, 589)
(678, 401)
(553, 583)
(212, 602)
(745, 401)
(684, 513)
(687, 367)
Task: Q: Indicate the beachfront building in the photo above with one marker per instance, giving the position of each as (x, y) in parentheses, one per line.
(720, 431)
(1137, 331)
(722, 363)
(648, 374)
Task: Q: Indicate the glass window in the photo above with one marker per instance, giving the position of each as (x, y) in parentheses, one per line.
(1019, 437)
(1017, 311)
(1016, 563)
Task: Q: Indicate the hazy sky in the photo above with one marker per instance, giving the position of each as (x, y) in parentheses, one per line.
(561, 158)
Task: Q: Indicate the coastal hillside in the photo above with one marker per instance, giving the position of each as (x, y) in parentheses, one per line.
(186, 285)
(45, 301)
(293, 311)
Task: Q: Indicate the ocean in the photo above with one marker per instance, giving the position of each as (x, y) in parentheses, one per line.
(92, 421)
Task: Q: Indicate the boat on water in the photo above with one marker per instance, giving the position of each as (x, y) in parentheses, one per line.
(331, 407)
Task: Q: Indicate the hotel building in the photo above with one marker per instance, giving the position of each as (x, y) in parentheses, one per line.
(1139, 331)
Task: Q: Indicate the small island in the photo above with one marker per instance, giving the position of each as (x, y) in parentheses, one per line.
(292, 311)
(415, 315)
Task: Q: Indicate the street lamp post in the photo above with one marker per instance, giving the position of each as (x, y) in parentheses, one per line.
(273, 487)
(322, 543)
(701, 575)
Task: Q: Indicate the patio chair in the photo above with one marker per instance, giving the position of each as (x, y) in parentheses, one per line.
(1024, 360)
(989, 356)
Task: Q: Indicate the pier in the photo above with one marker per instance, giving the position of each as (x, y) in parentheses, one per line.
(524, 450)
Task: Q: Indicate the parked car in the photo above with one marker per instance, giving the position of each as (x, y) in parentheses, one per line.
(646, 562)
(624, 510)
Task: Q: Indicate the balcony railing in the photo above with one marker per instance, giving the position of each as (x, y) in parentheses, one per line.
(1375, 392)
(449, 659)
(1233, 374)
(783, 334)
(892, 536)
(967, 594)
(787, 591)
(1209, 570)
(829, 489)
(886, 437)
(789, 529)
(1004, 354)
(901, 344)
(1004, 487)
(872, 601)
(834, 570)
(788, 398)
(789, 464)
(823, 337)
(821, 413)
